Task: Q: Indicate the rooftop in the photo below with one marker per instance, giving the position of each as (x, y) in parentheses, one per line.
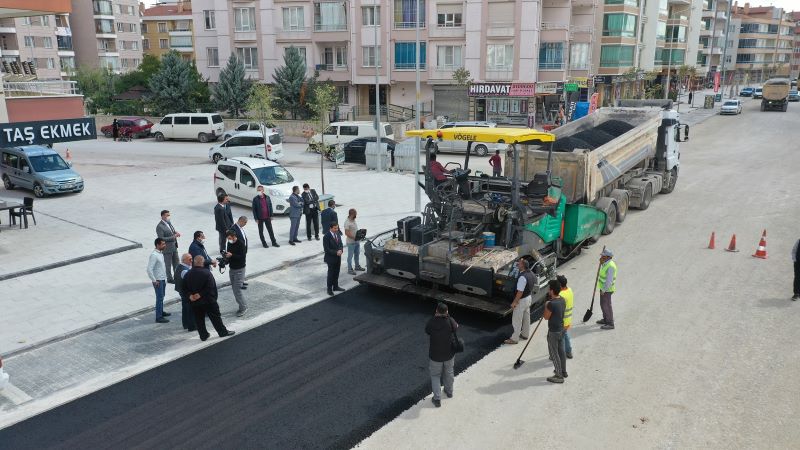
(174, 9)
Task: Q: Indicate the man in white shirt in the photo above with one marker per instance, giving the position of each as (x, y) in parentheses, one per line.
(157, 272)
(521, 317)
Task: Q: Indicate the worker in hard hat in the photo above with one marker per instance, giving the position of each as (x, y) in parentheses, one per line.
(569, 297)
(606, 283)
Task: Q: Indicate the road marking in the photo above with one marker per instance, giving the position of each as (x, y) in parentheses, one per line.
(288, 287)
(15, 394)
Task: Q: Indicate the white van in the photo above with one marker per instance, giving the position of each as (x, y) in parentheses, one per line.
(344, 132)
(248, 143)
(239, 178)
(201, 126)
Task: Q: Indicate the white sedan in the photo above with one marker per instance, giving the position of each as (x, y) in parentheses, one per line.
(731, 107)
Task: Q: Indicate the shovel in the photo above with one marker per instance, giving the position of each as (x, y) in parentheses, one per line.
(588, 314)
(530, 338)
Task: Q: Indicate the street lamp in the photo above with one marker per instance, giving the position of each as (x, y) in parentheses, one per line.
(669, 62)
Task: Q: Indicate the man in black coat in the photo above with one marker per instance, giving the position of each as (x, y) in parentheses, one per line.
(329, 215)
(197, 247)
(223, 218)
(262, 213)
(187, 315)
(311, 210)
(202, 290)
(440, 351)
(332, 244)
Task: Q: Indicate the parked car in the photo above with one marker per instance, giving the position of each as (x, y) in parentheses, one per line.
(746, 92)
(344, 132)
(355, 150)
(201, 126)
(757, 93)
(252, 126)
(250, 144)
(478, 148)
(135, 127)
(794, 96)
(239, 178)
(38, 168)
(731, 107)
(3, 376)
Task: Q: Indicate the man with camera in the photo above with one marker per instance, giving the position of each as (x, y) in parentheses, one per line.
(202, 291)
(236, 257)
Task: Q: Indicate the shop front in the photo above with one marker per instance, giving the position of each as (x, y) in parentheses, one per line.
(503, 103)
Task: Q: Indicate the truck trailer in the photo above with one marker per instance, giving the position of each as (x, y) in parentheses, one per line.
(560, 191)
(776, 94)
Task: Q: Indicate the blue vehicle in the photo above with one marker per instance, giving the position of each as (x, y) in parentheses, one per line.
(38, 168)
(746, 92)
(794, 96)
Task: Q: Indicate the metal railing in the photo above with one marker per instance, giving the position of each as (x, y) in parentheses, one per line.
(40, 88)
(551, 65)
(330, 27)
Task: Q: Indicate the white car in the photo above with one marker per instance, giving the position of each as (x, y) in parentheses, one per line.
(251, 126)
(248, 144)
(344, 132)
(239, 178)
(201, 126)
(731, 107)
(3, 376)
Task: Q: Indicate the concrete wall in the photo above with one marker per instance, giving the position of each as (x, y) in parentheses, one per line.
(44, 108)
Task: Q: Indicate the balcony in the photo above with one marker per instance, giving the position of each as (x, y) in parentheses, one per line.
(180, 33)
(545, 65)
(325, 27)
(442, 73)
(407, 25)
(446, 32)
(679, 2)
(589, 3)
(40, 89)
(293, 34)
(63, 31)
(500, 74)
(8, 26)
(246, 36)
(501, 29)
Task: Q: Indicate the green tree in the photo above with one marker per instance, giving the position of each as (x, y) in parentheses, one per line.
(139, 77)
(259, 107)
(233, 89)
(200, 92)
(291, 85)
(325, 99)
(97, 86)
(462, 78)
(172, 85)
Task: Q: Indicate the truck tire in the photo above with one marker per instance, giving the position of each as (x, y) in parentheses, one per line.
(785, 106)
(647, 197)
(670, 182)
(763, 107)
(623, 203)
(609, 206)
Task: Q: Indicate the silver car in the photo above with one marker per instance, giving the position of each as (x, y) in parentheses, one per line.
(251, 126)
(478, 148)
(731, 107)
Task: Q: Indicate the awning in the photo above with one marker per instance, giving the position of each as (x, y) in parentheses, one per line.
(483, 134)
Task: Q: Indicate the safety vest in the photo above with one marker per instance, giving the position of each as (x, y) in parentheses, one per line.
(568, 297)
(601, 281)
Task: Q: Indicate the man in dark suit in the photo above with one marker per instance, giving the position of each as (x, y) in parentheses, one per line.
(332, 244)
(167, 232)
(202, 291)
(223, 217)
(262, 213)
(311, 210)
(187, 315)
(329, 216)
(198, 248)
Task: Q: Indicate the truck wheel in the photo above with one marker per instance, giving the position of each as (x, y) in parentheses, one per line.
(611, 218)
(672, 180)
(481, 150)
(623, 203)
(785, 105)
(762, 106)
(647, 197)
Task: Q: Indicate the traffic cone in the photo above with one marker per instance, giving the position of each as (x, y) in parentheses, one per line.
(732, 245)
(761, 252)
(711, 245)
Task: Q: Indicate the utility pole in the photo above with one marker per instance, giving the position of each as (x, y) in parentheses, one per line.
(376, 49)
(725, 47)
(777, 42)
(417, 206)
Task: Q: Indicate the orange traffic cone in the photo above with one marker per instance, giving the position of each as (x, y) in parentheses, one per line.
(761, 252)
(711, 245)
(732, 246)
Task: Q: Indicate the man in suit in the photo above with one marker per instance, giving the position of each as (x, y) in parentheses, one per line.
(295, 212)
(198, 248)
(202, 291)
(311, 210)
(223, 217)
(167, 232)
(332, 244)
(187, 315)
(241, 236)
(329, 216)
(262, 213)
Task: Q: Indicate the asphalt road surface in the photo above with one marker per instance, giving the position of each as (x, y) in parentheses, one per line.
(324, 377)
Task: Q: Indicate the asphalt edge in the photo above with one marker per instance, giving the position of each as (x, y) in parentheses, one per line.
(71, 261)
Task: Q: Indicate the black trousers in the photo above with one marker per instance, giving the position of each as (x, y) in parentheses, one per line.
(223, 236)
(266, 223)
(333, 273)
(187, 314)
(312, 217)
(201, 310)
(797, 277)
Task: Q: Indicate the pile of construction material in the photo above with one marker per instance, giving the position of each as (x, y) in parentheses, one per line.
(592, 138)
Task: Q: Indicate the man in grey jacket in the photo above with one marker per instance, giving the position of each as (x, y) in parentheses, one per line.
(167, 232)
(295, 213)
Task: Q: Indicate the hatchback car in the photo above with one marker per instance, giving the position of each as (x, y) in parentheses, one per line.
(746, 92)
(252, 126)
(39, 169)
(794, 96)
(355, 150)
(240, 177)
(731, 107)
(757, 93)
(248, 143)
(135, 127)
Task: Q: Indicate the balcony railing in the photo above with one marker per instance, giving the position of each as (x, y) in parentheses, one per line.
(330, 27)
(330, 67)
(409, 66)
(551, 65)
(405, 25)
(40, 88)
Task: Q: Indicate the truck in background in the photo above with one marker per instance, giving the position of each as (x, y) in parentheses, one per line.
(776, 94)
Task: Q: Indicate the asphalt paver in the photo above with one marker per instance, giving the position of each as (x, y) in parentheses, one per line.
(326, 376)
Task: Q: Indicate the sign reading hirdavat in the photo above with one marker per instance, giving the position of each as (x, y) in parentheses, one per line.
(502, 89)
(47, 132)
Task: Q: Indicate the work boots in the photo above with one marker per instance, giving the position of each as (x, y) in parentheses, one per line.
(555, 379)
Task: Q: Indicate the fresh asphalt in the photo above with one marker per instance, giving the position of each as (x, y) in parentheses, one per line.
(326, 376)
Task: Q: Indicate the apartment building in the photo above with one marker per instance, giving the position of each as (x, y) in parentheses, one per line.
(718, 35)
(765, 42)
(107, 33)
(45, 41)
(795, 70)
(168, 27)
(508, 46)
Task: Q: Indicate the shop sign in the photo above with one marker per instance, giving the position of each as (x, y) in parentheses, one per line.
(582, 82)
(502, 89)
(47, 132)
(602, 79)
(549, 87)
(571, 87)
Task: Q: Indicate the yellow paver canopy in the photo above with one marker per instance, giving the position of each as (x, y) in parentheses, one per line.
(484, 134)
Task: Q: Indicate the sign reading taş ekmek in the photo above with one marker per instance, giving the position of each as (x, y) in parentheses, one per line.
(502, 89)
(47, 132)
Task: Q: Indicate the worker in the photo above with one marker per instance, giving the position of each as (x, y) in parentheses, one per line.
(521, 317)
(554, 314)
(437, 171)
(496, 163)
(606, 283)
(569, 297)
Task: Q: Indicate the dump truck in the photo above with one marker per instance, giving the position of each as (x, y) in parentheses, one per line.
(776, 94)
(559, 193)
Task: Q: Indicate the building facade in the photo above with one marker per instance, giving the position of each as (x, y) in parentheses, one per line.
(765, 43)
(44, 41)
(795, 71)
(168, 28)
(107, 34)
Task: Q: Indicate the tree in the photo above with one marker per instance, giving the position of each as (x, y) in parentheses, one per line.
(291, 85)
(97, 86)
(139, 77)
(200, 93)
(171, 85)
(259, 107)
(232, 92)
(463, 78)
(325, 99)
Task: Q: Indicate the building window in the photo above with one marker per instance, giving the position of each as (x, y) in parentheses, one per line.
(405, 54)
(448, 57)
(209, 20)
(162, 27)
(163, 43)
(245, 19)
(180, 42)
(248, 55)
(341, 56)
(144, 27)
(616, 56)
(213, 56)
(145, 44)
(677, 34)
(370, 16)
(551, 55)
(663, 7)
(669, 56)
(132, 27)
(343, 94)
(48, 42)
(405, 13)
(579, 54)
(294, 19)
(67, 63)
(499, 57)
(370, 56)
(623, 25)
(64, 42)
(661, 30)
(29, 42)
(46, 23)
(448, 16)
(300, 50)
(330, 16)
(120, 27)
(102, 7)
(134, 45)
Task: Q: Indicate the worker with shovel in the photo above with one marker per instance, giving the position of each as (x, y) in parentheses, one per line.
(606, 284)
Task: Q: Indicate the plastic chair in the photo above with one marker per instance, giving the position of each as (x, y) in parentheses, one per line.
(23, 212)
